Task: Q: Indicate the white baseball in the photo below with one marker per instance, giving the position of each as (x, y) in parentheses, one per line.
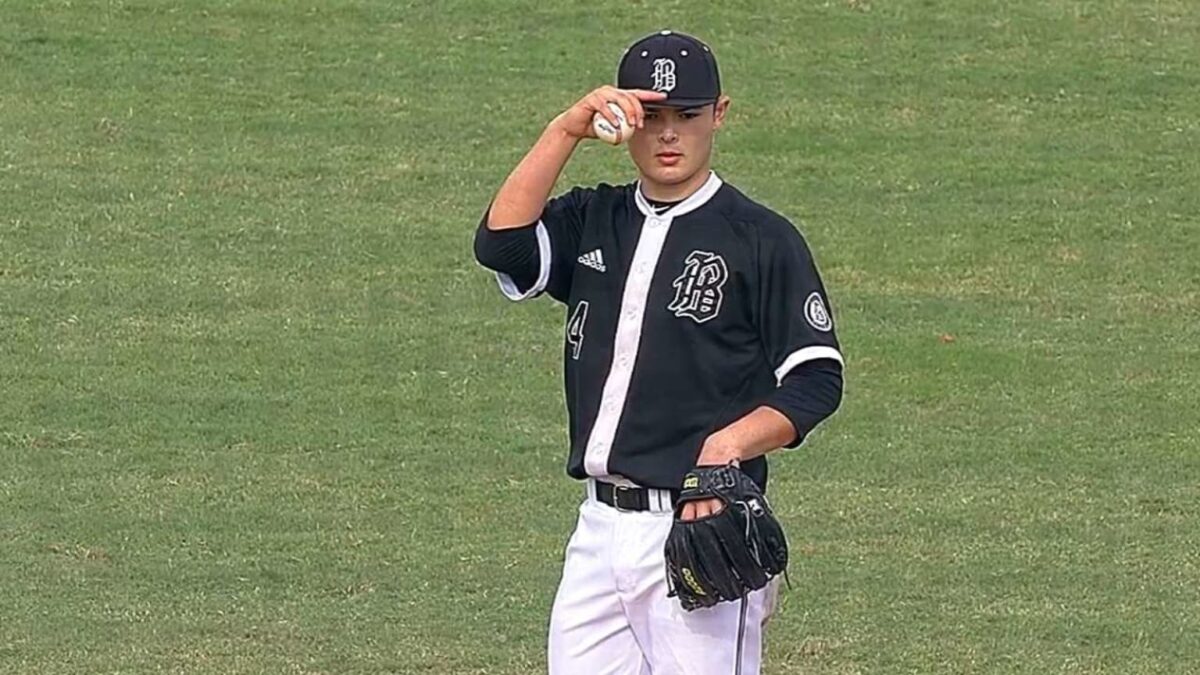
(605, 130)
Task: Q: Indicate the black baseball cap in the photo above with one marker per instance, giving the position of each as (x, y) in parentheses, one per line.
(677, 64)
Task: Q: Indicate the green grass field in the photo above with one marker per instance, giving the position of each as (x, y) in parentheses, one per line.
(262, 413)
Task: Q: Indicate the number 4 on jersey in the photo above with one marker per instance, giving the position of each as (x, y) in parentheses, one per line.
(575, 328)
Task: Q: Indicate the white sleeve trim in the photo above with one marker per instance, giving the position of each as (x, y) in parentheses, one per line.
(509, 287)
(806, 354)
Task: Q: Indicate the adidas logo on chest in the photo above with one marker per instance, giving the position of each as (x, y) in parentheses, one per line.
(593, 259)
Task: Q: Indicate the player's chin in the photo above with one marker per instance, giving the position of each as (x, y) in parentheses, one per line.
(669, 175)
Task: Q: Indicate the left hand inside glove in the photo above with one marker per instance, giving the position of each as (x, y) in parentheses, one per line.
(701, 509)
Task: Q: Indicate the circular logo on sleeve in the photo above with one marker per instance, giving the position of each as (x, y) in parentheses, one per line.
(814, 311)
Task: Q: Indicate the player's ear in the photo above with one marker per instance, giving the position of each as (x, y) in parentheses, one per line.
(719, 110)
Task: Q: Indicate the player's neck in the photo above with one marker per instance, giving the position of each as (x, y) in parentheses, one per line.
(675, 192)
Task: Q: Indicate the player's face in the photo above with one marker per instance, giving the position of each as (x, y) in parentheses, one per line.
(675, 145)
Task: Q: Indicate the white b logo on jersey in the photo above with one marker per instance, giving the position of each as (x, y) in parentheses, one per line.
(664, 75)
(815, 312)
(698, 290)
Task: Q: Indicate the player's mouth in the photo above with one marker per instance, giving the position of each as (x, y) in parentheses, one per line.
(669, 157)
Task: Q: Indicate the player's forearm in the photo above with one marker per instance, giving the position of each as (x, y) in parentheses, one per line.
(761, 431)
(524, 193)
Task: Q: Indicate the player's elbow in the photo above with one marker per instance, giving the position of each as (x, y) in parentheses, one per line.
(836, 384)
(487, 248)
(513, 252)
(809, 395)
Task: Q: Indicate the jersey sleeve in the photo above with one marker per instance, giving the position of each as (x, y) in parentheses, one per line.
(808, 394)
(538, 258)
(795, 319)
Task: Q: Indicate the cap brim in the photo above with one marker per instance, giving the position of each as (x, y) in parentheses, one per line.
(680, 102)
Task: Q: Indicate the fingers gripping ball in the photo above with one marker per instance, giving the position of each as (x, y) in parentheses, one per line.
(724, 556)
(606, 132)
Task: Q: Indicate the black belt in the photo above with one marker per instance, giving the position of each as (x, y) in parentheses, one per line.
(629, 498)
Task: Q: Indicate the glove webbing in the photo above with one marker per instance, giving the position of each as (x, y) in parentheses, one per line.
(752, 537)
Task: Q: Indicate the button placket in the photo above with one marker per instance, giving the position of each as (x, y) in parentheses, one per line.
(626, 341)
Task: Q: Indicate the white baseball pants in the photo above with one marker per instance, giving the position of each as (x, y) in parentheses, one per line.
(612, 616)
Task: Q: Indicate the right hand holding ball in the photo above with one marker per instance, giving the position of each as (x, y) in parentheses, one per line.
(605, 131)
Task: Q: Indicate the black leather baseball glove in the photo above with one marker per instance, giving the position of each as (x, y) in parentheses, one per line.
(726, 555)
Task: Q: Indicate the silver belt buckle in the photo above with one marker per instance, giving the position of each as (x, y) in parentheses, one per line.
(618, 490)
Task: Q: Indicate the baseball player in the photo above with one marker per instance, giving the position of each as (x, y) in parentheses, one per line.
(698, 334)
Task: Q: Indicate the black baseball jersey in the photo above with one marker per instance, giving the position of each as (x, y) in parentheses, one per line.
(678, 323)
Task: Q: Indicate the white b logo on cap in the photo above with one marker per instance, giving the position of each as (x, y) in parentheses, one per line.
(664, 75)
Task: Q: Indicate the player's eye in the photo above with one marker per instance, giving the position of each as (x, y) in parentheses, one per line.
(689, 115)
(651, 115)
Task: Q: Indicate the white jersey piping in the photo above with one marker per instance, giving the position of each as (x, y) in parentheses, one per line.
(806, 354)
(509, 287)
